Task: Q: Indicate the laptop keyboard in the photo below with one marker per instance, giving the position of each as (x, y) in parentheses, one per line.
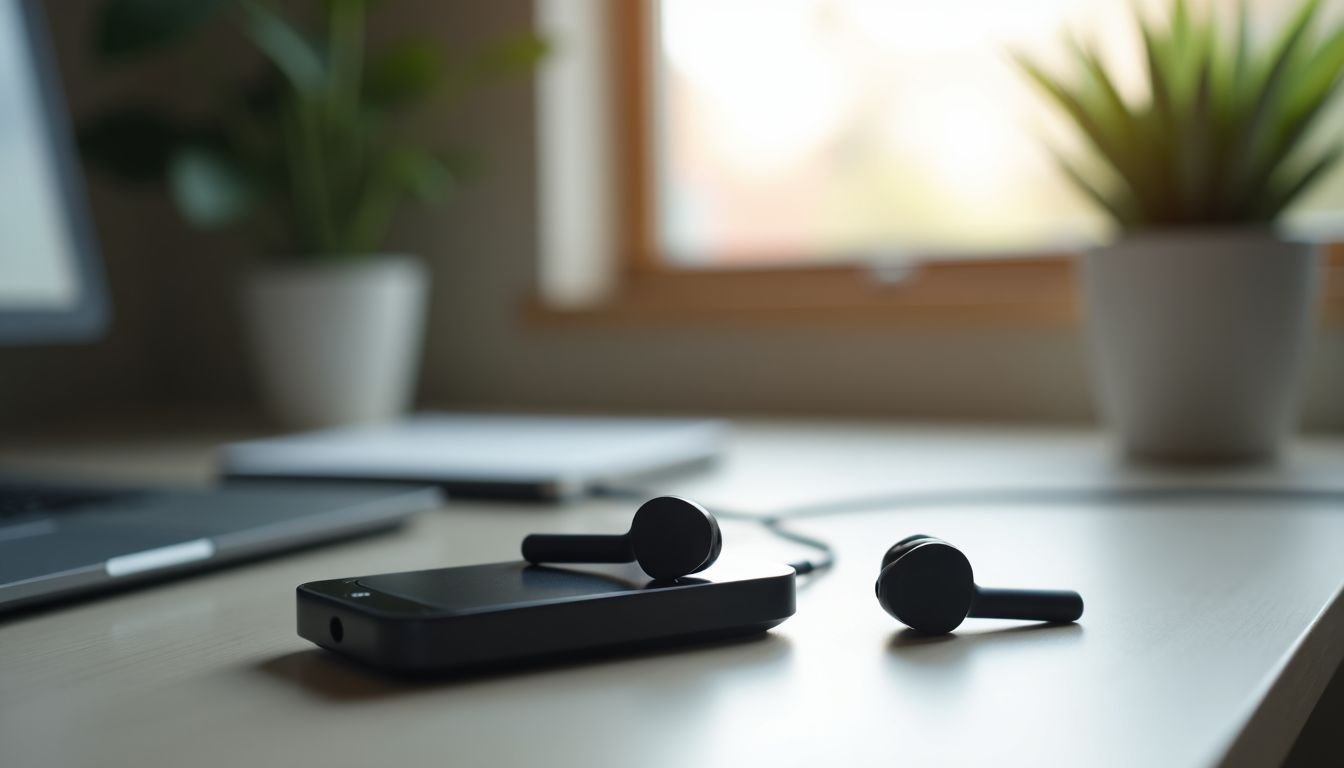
(26, 501)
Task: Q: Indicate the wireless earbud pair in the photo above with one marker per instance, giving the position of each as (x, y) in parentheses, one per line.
(925, 583)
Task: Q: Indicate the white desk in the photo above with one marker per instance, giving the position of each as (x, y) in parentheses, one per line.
(1211, 627)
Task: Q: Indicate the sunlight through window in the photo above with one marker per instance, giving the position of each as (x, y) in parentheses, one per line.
(829, 129)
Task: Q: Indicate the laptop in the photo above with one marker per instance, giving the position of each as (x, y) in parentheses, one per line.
(58, 541)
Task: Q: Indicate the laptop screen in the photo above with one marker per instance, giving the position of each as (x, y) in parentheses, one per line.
(48, 287)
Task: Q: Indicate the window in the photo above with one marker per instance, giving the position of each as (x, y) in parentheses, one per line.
(826, 129)
(770, 150)
(796, 129)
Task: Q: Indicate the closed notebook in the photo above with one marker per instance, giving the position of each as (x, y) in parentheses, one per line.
(485, 455)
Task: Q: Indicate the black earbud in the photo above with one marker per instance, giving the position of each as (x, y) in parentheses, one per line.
(928, 585)
(669, 538)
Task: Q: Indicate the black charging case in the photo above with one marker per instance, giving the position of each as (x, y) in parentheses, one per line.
(507, 614)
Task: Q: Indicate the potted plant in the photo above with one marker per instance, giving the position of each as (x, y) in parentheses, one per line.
(312, 152)
(1200, 313)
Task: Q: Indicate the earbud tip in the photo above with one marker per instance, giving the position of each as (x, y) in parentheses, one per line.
(903, 546)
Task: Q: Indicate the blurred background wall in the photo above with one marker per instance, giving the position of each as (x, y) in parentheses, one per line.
(176, 337)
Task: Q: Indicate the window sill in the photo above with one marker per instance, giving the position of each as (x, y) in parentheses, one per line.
(1037, 293)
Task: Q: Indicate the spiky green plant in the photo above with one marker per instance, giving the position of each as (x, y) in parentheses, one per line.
(1219, 138)
(313, 147)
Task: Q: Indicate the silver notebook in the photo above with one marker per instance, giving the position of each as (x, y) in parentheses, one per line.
(545, 457)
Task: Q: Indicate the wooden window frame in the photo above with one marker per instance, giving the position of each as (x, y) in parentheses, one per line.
(1034, 291)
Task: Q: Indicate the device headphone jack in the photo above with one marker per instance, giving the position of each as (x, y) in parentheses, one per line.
(669, 537)
(928, 585)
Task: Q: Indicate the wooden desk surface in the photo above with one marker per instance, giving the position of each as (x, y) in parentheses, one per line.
(1212, 625)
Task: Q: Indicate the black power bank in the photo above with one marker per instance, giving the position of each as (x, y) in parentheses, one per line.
(507, 614)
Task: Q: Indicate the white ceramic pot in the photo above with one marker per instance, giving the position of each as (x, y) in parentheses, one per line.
(1198, 340)
(337, 343)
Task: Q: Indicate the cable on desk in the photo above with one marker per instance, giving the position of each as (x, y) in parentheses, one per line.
(802, 567)
(1060, 495)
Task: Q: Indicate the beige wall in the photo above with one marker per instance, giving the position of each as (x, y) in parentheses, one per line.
(176, 337)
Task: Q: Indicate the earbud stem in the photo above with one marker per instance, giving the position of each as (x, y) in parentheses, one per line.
(1030, 604)
(577, 548)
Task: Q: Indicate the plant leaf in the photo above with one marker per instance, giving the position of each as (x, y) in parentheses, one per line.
(1276, 201)
(1180, 25)
(1092, 125)
(1109, 97)
(344, 78)
(387, 184)
(1310, 91)
(1241, 58)
(1249, 173)
(1217, 139)
(1116, 209)
(513, 55)
(504, 58)
(1228, 109)
(285, 46)
(1195, 144)
(1129, 128)
(1159, 76)
(1319, 75)
(430, 178)
(1181, 51)
(209, 187)
(126, 29)
(404, 74)
(1160, 124)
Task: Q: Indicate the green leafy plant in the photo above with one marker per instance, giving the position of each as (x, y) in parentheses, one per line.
(313, 148)
(1219, 138)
